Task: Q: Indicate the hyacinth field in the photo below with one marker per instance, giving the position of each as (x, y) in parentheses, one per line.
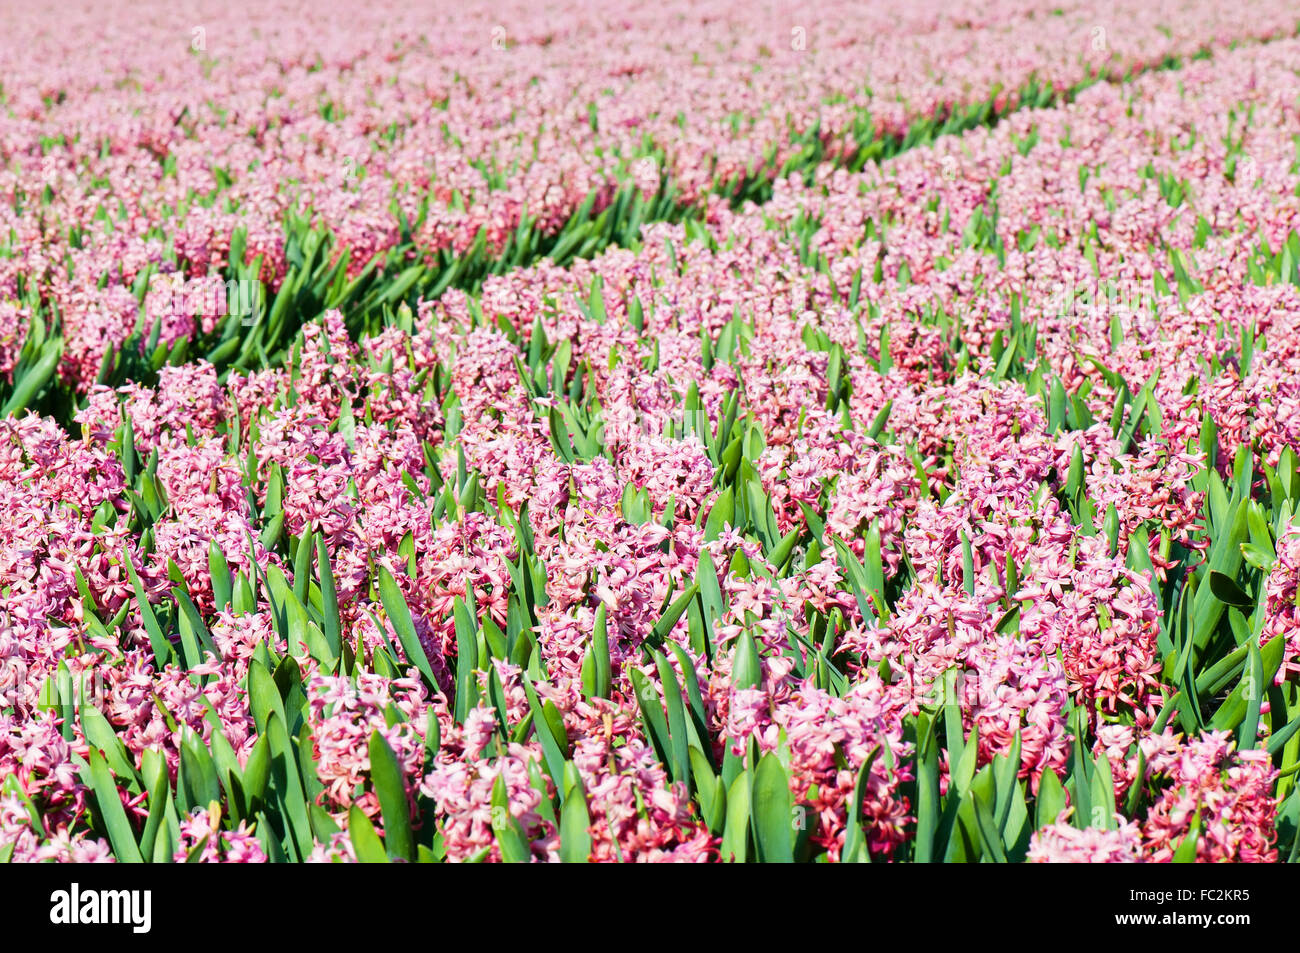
(707, 431)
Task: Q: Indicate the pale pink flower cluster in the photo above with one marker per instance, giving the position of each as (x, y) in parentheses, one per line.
(1063, 843)
(1282, 589)
(829, 740)
(201, 831)
(343, 715)
(1233, 793)
(461, 790)
(636, 813)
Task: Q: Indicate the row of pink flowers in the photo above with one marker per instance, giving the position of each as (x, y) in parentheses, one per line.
(137, 140)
